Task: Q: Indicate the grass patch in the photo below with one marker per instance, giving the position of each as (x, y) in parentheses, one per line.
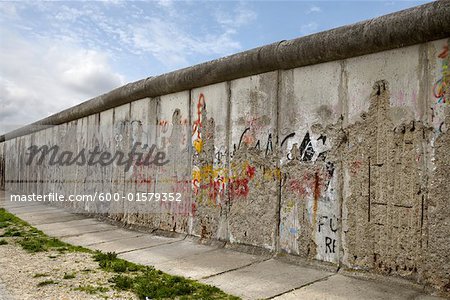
(3, 242)
(109, 262)
(38, 275)
(32, 239)
(90, 289)
(69, 276)
(146, 282)
(3, 224)
(11, 232)
(8, 218)
(46, 282)
(155, 284)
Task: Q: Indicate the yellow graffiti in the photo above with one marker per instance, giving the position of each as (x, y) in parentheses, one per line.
(198, 145)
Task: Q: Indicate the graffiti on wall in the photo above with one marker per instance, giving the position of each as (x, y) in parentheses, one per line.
(308, 225)
(441, 86)
(197, 125)
(441, 90)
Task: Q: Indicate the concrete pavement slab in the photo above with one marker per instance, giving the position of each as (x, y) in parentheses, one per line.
(132, 244)
(266, 279)
(32, 208)
(339, 287)
(60, 230)
(10, 204)
(100, 237)
(58, 212)
(72, 223)
(48, 218)
(210, 263)
(155, 256)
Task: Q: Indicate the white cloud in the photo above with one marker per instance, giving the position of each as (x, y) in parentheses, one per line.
(42, 77)
(62, 54)
(172, 45)
(8, 10)
(313, 9)
(309, 28)
(241, 15)
(68, 14)
(165, 3)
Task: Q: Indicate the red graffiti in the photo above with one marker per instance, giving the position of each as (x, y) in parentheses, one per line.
(250, 172)
(297, 187)
(312, 182)
(239, 187)
(164, 125)
(214, 188)
(444, 52)
(198, 123)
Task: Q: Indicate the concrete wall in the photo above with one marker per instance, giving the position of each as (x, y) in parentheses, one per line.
(342, 161)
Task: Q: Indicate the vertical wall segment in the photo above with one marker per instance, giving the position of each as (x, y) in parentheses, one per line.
(254, 173)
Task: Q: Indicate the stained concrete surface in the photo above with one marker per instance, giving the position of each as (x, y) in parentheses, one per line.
(342, 287)
(266, 279)
(241, 274)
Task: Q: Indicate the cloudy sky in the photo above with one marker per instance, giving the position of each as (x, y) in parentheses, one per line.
(54, 55)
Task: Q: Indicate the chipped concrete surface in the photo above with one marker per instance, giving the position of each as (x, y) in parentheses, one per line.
(385, 190)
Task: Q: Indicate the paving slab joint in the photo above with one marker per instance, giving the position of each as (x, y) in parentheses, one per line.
(147, 247)
(303, 285)
(237, 268)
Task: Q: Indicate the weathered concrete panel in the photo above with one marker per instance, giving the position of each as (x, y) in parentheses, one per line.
(209, 111)
(106, 143)
(81, 170)
(121, 126)
(254, 178)
(173, 138)
(59, 170)
(2, 165)
(93, 183)
(48, 175)
(39, 170)
(401, 68)
(438, 76)
(436, 212)
(141, 178)
(384, 190)
(71, 171)
(310, 113)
